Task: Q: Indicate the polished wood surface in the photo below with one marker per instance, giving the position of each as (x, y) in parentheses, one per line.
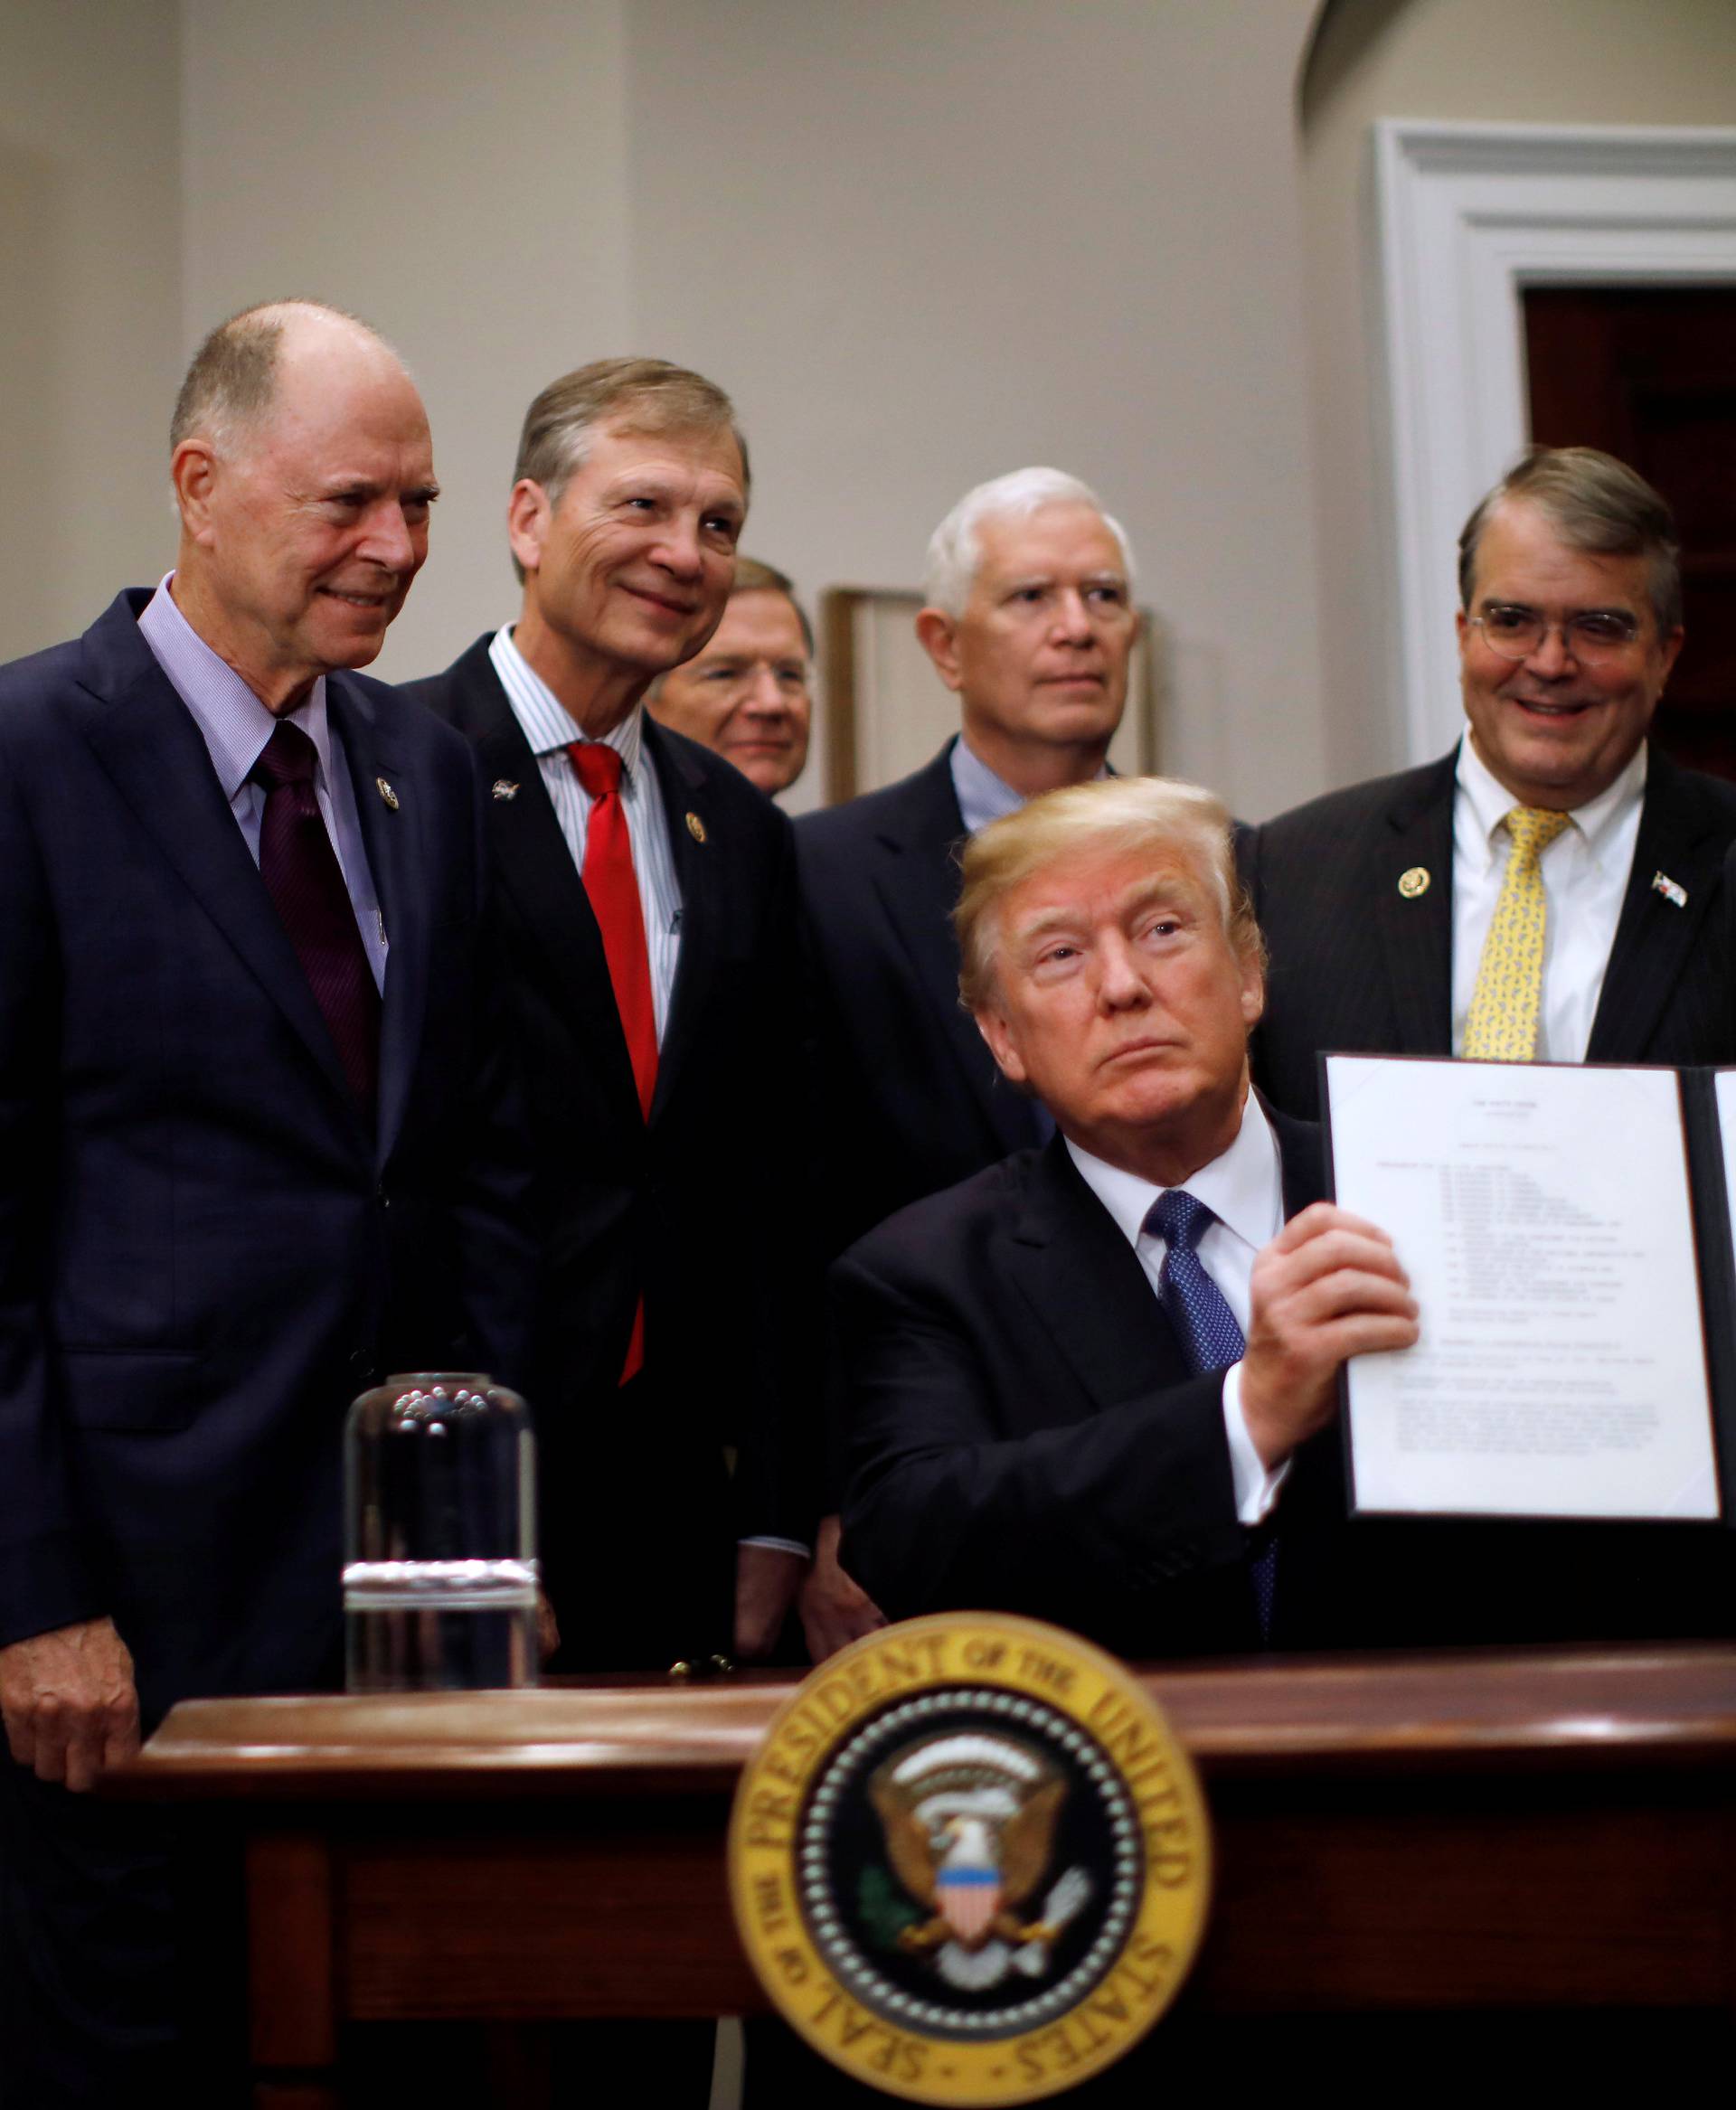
(1458, 1831)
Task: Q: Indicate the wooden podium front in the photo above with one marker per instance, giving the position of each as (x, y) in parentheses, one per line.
(1475, 1831)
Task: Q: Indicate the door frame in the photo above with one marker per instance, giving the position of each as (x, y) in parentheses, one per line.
(1466, 217)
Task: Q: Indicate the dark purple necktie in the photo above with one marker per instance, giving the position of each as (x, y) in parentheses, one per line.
(306, 881)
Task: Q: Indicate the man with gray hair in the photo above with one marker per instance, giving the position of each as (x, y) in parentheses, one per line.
(648, 924)
(1556, 889)
(258, 1147)
(1029, 621)
(1096, 1383)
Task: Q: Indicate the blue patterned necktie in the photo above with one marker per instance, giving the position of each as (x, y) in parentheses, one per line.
(1208, 1333)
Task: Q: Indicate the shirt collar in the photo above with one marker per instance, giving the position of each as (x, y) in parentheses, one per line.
(1597, 820)
(545, 720)
(982, 796)
(235, 725)
(1243, 1188)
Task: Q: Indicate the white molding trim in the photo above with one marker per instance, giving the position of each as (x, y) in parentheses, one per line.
(1467, 216)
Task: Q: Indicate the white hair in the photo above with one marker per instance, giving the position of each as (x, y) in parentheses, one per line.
(955, 547)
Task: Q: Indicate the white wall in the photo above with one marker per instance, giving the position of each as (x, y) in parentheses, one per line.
(1601, 61)
(454, 173)
(924, 243)
(89, 307)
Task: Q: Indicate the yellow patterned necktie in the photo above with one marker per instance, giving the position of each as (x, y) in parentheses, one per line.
(1502, 1024)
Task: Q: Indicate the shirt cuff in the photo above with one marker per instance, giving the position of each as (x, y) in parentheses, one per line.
(1256, 1489)
(793, 1546)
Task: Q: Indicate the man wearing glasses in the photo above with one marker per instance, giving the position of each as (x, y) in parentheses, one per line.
(1555, 889)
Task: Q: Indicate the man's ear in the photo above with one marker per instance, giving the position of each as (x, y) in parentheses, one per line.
(994, 1029)
(527, 522)
(1253, 992)
(193, 471)
(937, 632)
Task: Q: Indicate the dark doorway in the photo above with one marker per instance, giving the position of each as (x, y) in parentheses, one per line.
(1649, 374)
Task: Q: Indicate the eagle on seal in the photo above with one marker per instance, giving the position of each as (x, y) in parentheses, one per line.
(970, 1823)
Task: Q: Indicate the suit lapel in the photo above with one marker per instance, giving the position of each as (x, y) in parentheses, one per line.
(917, 880)
(537, 871)
(700, 856)
(1416, 928)
(1679, 837)
(150, 747)
(1084, 1283)
(398, 853)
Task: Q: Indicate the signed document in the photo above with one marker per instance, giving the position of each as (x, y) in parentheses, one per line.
(1544, 1216)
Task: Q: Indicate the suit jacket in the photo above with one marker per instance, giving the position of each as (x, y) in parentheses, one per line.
(205, 1250)
(1022, 1432)
(1358, 966)
(912, 1100)
(702, 1210)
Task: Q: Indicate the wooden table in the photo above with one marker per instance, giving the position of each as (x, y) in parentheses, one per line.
(1470, 1831)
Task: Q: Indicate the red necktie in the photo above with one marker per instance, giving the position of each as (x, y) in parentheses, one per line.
(613, 890)
(306, 882)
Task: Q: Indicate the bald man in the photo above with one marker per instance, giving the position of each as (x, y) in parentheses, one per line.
(256, 1151)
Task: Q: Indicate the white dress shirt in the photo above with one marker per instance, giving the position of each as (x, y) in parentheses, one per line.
(1244, 1190)
(1585, 873)
(545, 724)
(236, 728)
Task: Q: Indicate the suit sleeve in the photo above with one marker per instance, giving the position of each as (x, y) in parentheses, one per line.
(1112, 1522)
(44, 1580)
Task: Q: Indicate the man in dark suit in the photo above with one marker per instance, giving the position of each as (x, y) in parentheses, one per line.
(1029, 621)
(1381, 903)
(649, 911)
(1092, 1382)
(257, 1146)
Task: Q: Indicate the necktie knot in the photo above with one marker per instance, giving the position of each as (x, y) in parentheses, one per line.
(1180, 1218)
(598, 767)
(1531, 829)
(289, 756)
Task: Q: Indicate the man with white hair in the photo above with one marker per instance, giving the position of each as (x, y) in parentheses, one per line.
(1029, 621)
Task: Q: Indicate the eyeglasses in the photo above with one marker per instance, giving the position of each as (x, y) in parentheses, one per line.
(1516, 633)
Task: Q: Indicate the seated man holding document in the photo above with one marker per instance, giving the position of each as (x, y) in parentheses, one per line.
(1099, 1383)
(1096, 1383)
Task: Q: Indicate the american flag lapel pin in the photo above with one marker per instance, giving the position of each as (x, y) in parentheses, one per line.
(1669, 890)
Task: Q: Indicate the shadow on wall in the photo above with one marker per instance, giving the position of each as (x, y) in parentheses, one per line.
(33, 319)
(1345, 32)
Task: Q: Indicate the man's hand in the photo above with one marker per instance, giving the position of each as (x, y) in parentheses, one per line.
(766, 1581)
(835, 1609)
(1328, 1287)
(548, 1628)
(69, 1702)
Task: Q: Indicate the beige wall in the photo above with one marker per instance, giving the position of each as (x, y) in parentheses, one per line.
(454, 173)
(1601, 61)
(89, 307)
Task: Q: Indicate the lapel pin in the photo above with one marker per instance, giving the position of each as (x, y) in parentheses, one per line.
(505, 788)
(1669, 890)
(1414, 882)
(388, 793)
(696, 828)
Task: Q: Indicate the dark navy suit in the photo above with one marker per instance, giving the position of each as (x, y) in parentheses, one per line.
(205, 1251)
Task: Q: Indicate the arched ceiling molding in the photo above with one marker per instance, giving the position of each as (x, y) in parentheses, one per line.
(1469, 216)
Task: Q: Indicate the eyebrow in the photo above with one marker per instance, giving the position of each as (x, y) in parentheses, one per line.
(1159, 894)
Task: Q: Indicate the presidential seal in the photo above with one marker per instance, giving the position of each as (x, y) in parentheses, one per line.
(969, 1863)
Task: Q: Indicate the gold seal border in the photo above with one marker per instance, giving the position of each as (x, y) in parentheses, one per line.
(1088, 1688)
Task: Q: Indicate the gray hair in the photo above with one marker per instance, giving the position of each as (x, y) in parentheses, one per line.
(1599, 507)
(955, 547)
(233, 377)
(1149, 814)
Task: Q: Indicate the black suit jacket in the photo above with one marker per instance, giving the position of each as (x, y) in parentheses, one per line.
(913, 1099)
(1021, 1431)
(1356, 966)
(702, 1210)
(204, 1251)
